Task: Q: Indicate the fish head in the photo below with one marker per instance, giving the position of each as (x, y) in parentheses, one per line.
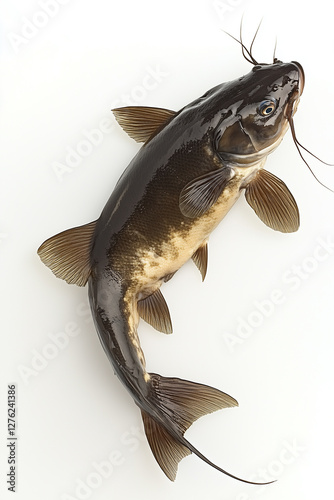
(264, 101)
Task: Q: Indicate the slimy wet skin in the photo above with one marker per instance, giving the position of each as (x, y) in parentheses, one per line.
(192, 168)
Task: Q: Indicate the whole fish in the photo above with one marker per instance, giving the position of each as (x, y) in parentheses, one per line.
(192, 168)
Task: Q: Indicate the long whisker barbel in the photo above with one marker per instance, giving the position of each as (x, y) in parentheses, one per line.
(274, 54)
(248, 55)
(312, 154)
(244, 49)
(298, 146)
(251, 45)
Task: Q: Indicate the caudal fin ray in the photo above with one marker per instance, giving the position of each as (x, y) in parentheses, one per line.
(187, 401)
(167, 451)
(181, 402)
(176, 404)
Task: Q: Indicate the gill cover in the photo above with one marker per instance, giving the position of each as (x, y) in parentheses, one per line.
(234, 139)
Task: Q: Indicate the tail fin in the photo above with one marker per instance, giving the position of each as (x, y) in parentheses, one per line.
(179, 403)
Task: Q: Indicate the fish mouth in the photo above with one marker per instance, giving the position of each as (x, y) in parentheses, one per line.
(291, 80)
(251, 159)
(301, 82)
(292, 105)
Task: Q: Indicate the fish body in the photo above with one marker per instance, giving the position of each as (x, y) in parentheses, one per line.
(193, 167)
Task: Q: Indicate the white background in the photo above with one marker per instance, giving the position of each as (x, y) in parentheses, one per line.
(61, 73)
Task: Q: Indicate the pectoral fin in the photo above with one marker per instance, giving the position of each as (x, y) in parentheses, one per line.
(200, 258)
(67, 254)
(200, 194)
(154, 310)
(272, 202)
(141, 122)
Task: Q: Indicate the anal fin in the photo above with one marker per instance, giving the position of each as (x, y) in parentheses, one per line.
(154, 310)
(167, 451)
(67, 254)
(200, 258)
(169, 276)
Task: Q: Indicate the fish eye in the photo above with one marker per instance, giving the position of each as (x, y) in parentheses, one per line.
(267, 107)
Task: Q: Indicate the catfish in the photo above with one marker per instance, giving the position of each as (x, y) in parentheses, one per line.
(192, 168)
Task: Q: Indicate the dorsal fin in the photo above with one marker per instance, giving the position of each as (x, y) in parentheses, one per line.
(141, 122)
(67, 254)
(154, 310)
(272, 202)
(200, 258)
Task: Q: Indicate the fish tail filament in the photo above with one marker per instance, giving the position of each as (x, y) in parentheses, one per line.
(175, 405)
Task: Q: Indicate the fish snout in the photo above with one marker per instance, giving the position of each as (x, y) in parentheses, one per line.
(301, 76)
(297, 77)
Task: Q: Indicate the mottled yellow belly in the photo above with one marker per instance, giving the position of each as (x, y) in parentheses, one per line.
(180, 245)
